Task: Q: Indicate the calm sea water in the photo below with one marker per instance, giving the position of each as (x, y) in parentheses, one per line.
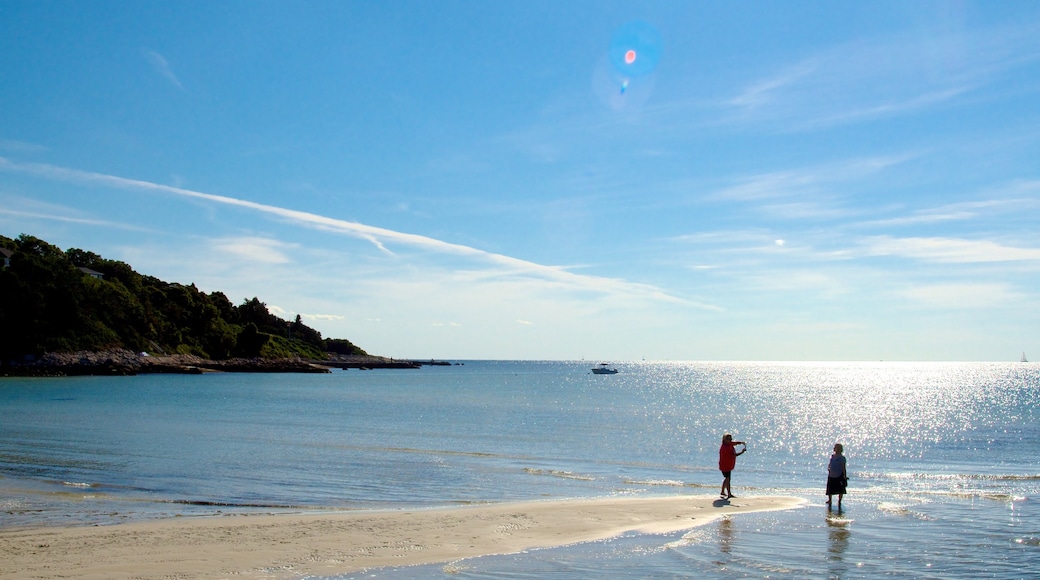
(944, 458)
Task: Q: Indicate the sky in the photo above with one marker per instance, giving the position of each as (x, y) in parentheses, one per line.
(601, 181)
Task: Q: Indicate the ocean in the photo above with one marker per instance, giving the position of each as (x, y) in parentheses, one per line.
(943, 458)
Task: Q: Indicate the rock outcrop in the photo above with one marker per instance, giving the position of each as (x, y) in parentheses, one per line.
(124, 362)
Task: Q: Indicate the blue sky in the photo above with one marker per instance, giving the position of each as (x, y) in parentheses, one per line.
(764, 181)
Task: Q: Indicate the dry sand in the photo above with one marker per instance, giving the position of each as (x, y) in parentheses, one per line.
(286, 546)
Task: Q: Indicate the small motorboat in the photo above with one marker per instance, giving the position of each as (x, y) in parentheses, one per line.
(603, 369)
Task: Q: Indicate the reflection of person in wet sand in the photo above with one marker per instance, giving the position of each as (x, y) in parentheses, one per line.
(725, 535)
(838, 532)
(727, 461)
(837, 477)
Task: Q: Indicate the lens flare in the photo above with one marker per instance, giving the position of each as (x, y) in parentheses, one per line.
(635, 49)
(624, 79)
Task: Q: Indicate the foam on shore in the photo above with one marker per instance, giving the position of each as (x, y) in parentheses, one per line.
(286, 546)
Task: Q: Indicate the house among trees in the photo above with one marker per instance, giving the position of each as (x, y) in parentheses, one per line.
(92, 273)
(5, 255)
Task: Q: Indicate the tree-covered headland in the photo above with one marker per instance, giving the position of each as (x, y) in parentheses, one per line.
(75, 300)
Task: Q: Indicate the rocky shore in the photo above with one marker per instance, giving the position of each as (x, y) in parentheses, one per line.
(125, 362)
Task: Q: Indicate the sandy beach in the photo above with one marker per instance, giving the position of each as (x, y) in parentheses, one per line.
(286, 546)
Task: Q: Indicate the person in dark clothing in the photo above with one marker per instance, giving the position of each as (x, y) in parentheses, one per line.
(837, 477)
(727, 461)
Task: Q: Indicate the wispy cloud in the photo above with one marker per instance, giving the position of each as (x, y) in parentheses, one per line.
(799, 182)
(162, 67)
(322, 316)
(755, 244)
(888, 108)
(763, 92)
(54, 216)
(263, 250)
(506, 266)
(21, 146)
(948, 250)
(885, 77)
(819, 283)
(954, 212)
(960, 296)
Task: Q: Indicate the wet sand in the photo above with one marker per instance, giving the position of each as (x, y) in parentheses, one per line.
(288, 546)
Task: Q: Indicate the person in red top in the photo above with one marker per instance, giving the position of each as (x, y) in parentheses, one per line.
(727, 461)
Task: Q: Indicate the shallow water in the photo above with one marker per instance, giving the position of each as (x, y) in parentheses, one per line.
(944, 458)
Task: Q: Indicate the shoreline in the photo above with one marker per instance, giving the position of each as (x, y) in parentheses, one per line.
(289, 546)
(121, 362)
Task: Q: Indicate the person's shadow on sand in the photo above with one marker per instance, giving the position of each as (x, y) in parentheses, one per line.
(720, 502)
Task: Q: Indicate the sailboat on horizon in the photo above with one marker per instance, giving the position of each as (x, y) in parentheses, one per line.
(1024, 359)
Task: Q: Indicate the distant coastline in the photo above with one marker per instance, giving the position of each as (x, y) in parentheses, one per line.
(122, 362)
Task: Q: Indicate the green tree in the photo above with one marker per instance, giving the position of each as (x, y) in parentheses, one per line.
(250, 341)
(48, 304)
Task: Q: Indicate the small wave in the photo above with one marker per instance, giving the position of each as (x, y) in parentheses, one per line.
(691, 538)
(902, 510)
(952, 476)
(839, 521)
(233, 504)
(657, 482)
(893, 508)
(421, 451)
(668, 483)
(558, 473)
(454, 568)
(80, 485)
(436, 451)
(970, 494)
